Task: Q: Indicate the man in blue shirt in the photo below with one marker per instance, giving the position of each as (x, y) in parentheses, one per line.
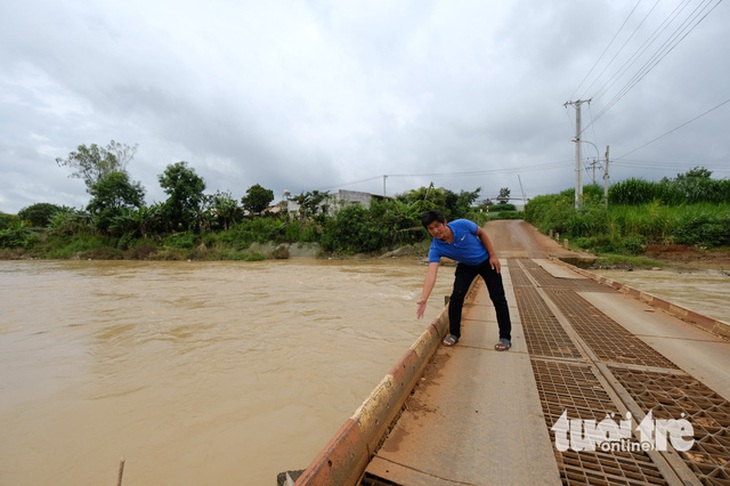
(468, 244)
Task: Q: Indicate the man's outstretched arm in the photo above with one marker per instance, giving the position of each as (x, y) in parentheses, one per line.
(428, 283)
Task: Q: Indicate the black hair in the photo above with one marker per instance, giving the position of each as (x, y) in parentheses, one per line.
(432, 215)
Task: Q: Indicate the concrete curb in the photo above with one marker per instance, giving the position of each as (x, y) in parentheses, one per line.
(344, 459)
(709, 324)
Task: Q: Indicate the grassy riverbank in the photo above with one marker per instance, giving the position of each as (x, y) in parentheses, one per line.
(633, 231)
(381, 227)
(679, 257)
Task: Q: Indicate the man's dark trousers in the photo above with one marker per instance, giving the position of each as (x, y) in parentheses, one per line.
(464, 276)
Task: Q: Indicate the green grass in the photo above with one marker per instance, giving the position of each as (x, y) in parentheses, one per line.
(610, 260)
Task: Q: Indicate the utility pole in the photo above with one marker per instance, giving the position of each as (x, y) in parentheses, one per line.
(578, 155)
(593, 166)
(385, 177)
(605, 179)
(522, 190)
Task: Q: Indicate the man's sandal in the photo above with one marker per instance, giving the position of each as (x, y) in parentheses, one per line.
(503, 345)
(450, 340)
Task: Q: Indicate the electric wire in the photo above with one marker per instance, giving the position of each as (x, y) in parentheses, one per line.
(633, 58)
(615, 36)
(674, 129)
(689, 23)
(669, 45)
(538, 167)
(631, 36)
(546, 166)
(351, 183)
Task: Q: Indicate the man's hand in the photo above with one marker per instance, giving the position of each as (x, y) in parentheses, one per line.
(433, 270)
(421, 308)
(494, 263)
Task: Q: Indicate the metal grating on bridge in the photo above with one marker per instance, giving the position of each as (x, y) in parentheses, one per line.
(570, 382)
(547, 337)
(573, 387)
(671, 396)
(609, 340)
(544, 279)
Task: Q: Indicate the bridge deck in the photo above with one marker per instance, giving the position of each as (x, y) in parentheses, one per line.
(479, 416)
(580, 348)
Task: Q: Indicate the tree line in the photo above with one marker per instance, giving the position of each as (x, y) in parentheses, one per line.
(116, 222)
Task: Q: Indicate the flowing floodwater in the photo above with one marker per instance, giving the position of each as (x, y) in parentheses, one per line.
(703, 291)
(195, 373)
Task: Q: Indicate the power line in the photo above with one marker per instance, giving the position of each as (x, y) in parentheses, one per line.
(662, 166)
(680, 33)
(351, 183)
(675, 129)
(536, 167)
(636, 29)
(604, 52)
(546, 166)
(633, 57)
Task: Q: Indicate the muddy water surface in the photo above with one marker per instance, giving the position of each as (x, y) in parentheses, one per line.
(703, 291)
(196, 373)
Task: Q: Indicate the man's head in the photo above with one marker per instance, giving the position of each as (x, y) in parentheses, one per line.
(430, 216)
(435, 222)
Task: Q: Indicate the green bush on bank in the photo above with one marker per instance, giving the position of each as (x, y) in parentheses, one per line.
(492, 216)
(496, 208)
(693, 187)
(629, 228)
(16, 233)
(82, 245)
(705, 226)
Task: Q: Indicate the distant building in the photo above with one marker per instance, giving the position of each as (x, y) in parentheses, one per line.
(346, 198)
(333, 203)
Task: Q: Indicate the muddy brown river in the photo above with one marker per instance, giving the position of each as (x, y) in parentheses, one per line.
(195, 373)
(703, 290)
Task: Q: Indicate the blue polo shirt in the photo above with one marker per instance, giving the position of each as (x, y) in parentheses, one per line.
(467, 248)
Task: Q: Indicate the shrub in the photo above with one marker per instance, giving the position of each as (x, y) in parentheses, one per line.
(353, 230)
(633, 245)
(705, 229)
(632, 192)
(256, 230)
(7, 219)
(551, 212)
(40, 214)
(495, 216)
(186, 240)
(77, 245)
(590, 221)
(601, 244)
(17, 234)
(502, 207)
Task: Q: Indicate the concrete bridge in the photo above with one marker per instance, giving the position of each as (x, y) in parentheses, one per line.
(591, 361)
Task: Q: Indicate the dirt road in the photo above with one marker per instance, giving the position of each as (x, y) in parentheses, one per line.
(517, 239)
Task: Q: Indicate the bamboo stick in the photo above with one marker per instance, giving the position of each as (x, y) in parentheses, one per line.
(121, 471)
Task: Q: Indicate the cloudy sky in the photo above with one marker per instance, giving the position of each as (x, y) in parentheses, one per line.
(305, 95)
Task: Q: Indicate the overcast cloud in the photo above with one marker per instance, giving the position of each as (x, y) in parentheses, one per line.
(322, 95)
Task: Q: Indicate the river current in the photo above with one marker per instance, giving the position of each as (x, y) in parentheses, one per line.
(194, 372)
